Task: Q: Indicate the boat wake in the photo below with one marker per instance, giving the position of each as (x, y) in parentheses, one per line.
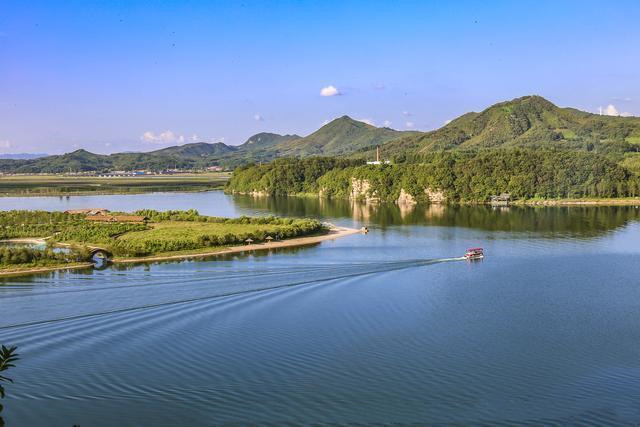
(72, 299)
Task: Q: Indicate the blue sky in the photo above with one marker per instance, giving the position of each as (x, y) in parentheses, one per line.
(140, 75)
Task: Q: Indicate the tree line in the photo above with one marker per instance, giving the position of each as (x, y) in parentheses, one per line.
(462, 175)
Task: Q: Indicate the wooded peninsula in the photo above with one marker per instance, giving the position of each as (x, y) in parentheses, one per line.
(73, 238)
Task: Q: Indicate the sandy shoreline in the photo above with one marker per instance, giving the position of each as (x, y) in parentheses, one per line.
(334, 233)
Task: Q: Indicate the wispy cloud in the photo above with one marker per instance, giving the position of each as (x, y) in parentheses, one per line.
(386, 124)
(410, 125)
(330, 91)
(258, 118)
(406, 113)
(166, 137)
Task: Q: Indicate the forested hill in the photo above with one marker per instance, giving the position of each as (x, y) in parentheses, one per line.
(453, 175)
(530, 122)
(343, 135)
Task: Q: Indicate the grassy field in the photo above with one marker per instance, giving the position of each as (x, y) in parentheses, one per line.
(173, 237)
(53, 185)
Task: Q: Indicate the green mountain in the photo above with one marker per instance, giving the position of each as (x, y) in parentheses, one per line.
(340, 136)
(264, 141)
(198, 149)
(530, 121)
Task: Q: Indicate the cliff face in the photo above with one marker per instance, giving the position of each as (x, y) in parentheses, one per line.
(405, 198)
(432, 195)
(435, 195)
(361, 190)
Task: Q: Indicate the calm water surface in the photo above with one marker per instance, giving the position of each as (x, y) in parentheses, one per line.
(383, 327)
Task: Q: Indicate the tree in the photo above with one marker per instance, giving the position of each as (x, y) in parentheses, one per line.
(8, 356)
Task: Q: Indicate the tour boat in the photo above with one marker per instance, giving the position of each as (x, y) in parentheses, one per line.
(474, 253)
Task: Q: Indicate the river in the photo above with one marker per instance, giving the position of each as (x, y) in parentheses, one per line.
(377, 328)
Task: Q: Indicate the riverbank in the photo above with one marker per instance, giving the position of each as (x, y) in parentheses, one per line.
(27, 271)
(623, 201)
(334, 233)
(61, 185)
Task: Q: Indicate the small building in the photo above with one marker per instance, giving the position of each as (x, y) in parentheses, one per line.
(92, 211)
(502, 200)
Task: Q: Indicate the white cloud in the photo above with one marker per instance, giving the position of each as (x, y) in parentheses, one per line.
(329, 91)
(611, 110)
(107, 144)
(195, 138)
(258, 118)
(386, 124)
(410, 125)
(166, 137)
(406, 114)
(367, 121)
(5, 143)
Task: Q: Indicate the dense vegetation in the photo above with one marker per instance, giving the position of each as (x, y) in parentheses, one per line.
(23, 223)
(286, 176)
(31, 257)
(463, 176)
(187, 230)
(164, 232)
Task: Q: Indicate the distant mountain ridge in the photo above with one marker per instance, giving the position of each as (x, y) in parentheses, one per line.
(341, 136)
(22, 156)
(528, 122)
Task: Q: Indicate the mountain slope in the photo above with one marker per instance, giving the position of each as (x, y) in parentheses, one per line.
(340, 136)
(530, 121)
(265, 140)
(198, 149)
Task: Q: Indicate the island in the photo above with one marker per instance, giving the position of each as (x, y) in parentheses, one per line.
(41, 241)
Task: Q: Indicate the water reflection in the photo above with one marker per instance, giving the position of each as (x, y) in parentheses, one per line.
(583, 221)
